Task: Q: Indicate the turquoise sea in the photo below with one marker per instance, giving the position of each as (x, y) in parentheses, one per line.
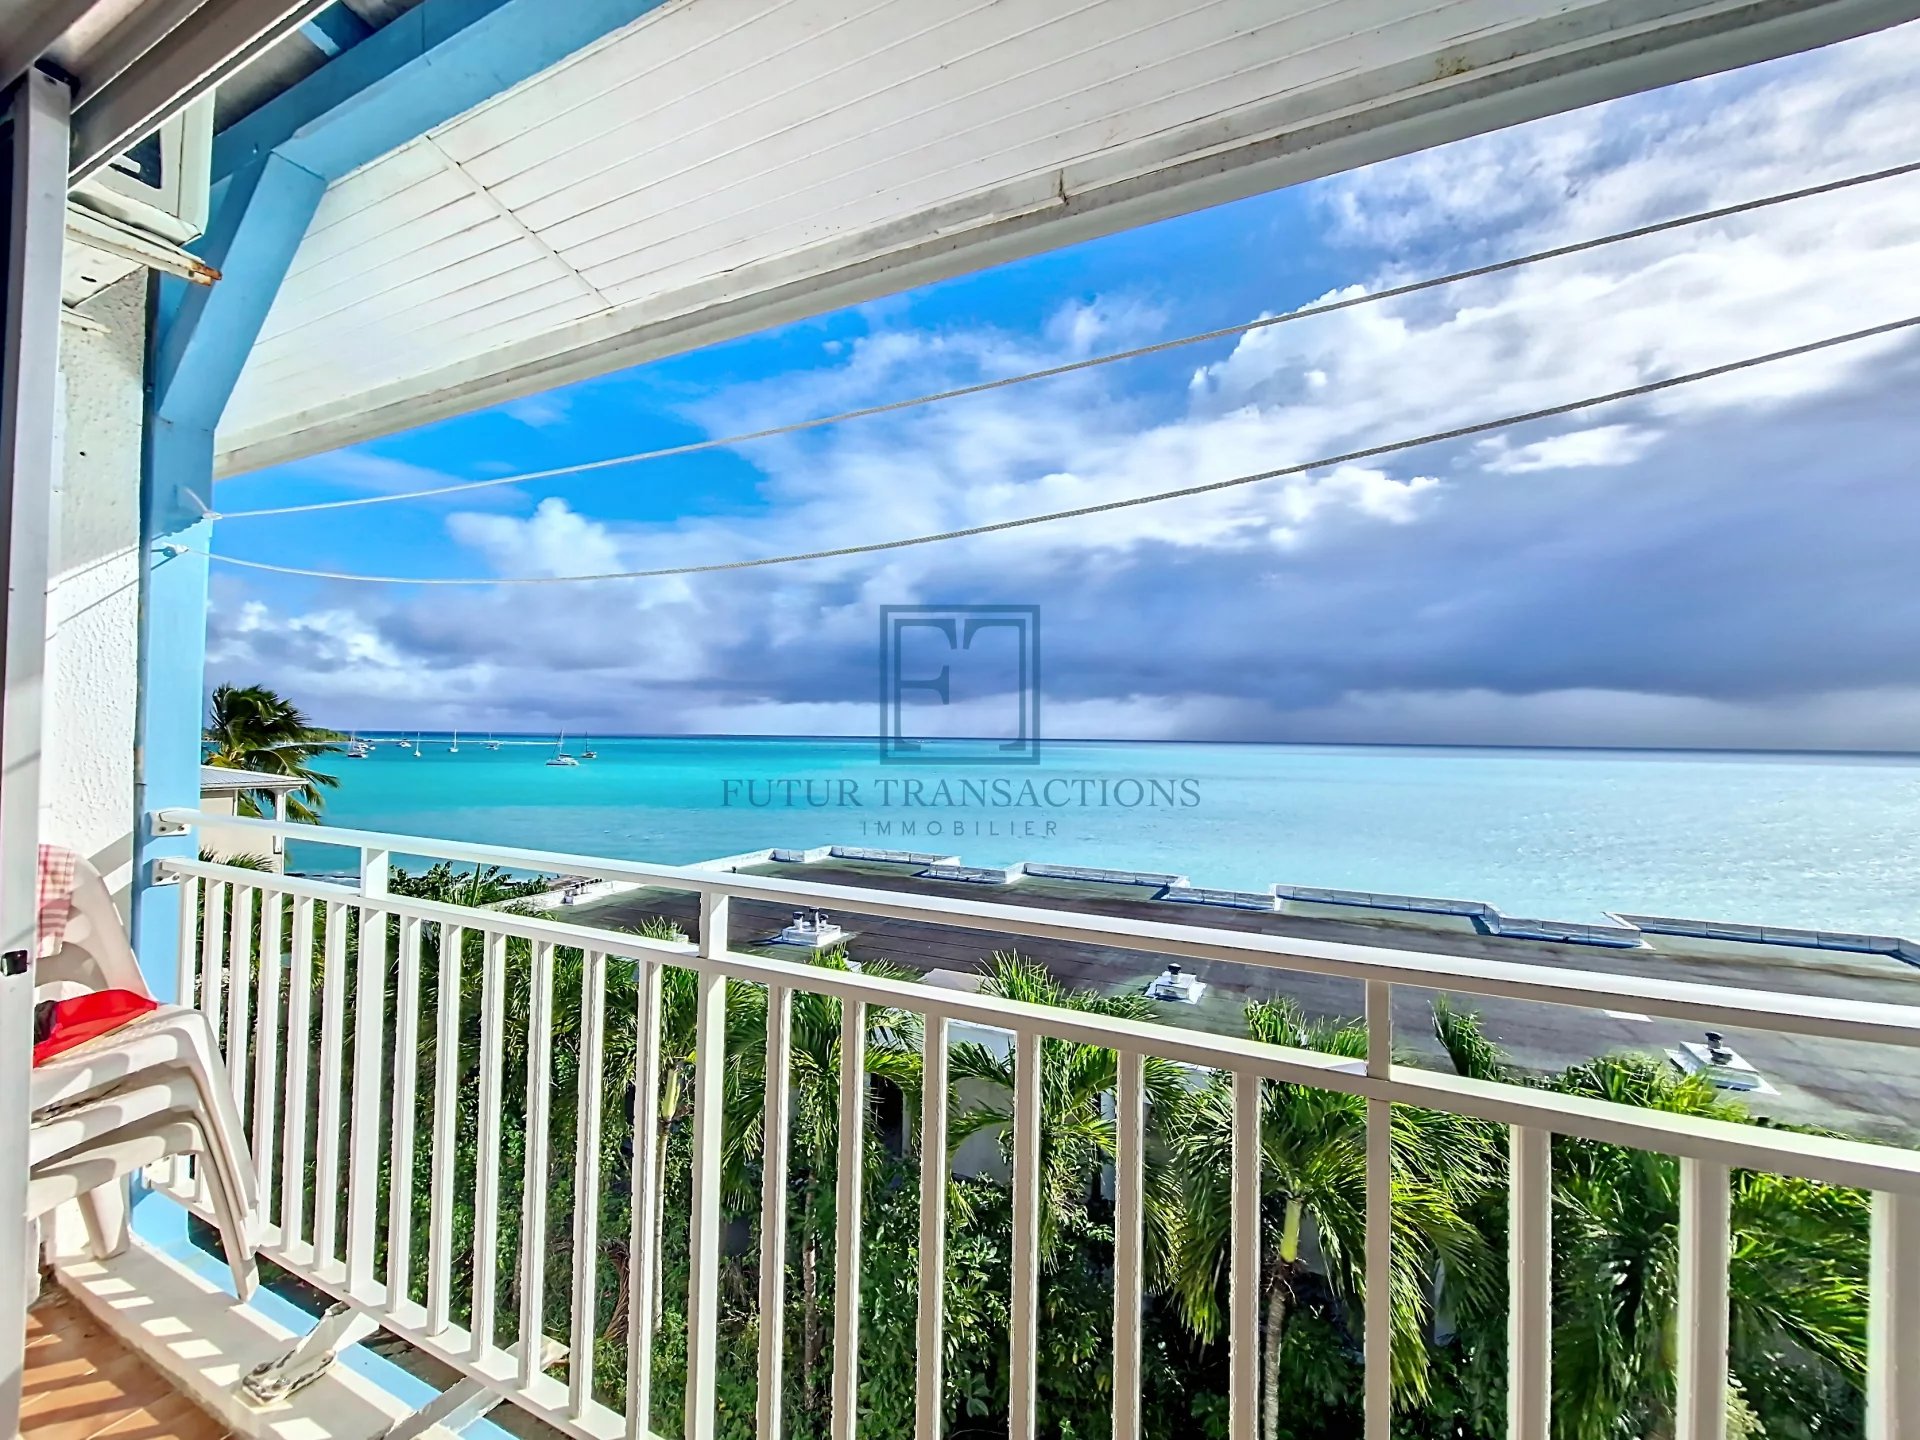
(1826, 841)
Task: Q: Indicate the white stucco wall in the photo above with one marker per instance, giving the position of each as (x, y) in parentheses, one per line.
(93, 604)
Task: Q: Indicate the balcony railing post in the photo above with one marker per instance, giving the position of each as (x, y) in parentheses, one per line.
(706, 1223)
(293, 1150)
(533, 1181)
(1379, 1300)
(643, 1247)
(446, 1119)
(213, 963)
(186, 972)
(369, 1081)
(848, 1194)
(773, 1212)
(586, 1182)
(406, 1060)
(1243, 1283)
(240, 993)
(266, 1085)
(1129, 1184)
(930, 1402)
(1893, 1319)
(486, 1165)
(1530, 1284)
(1705, 1242)
(326, 1143)
(1024, 1332)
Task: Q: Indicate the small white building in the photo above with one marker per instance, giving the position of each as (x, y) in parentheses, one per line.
(220, 792)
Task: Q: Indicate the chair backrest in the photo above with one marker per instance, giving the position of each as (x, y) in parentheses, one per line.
(95, 953)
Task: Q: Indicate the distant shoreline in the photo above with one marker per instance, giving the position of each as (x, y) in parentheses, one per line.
(539, 737)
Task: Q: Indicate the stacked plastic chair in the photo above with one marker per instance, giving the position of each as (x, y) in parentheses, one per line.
(149, 1089)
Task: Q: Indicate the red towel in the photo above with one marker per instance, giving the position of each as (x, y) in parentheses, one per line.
(60, 1025)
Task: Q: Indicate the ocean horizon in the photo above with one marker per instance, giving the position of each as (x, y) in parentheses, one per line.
(1815, 839)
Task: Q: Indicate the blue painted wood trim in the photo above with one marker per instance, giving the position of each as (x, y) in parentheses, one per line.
(436, 61)
(263, 215)
(199, 339)
(335, 30)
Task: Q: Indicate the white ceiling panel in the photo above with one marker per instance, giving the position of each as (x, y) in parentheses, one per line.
(507, 266)
(722, 165)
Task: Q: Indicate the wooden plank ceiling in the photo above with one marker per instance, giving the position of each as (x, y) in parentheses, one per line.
(720, 165)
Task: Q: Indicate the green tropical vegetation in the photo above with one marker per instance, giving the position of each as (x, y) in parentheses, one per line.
(249, 727)
(1798, 1269)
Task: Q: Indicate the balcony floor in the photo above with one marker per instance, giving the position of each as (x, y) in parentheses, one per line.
(82, 1383)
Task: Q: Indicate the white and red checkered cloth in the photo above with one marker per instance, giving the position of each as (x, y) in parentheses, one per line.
(57, 866)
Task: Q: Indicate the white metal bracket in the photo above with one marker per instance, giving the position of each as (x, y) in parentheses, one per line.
(459, 1405)
(164, 826)
(272, 1381)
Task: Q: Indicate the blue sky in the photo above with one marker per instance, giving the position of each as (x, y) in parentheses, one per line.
(1726, 565)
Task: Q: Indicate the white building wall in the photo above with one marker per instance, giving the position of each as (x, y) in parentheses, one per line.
(93, 604)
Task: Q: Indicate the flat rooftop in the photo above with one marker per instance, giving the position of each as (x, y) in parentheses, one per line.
(1867, 1090)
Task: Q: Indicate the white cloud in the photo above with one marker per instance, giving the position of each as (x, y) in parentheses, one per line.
(554, 541)
(1604, 445)
(539, 412)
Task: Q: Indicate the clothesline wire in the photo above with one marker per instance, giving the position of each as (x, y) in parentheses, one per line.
(1370, 452)
(1326, 307)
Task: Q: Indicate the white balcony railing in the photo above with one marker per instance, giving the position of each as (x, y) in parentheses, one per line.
(311, 1037)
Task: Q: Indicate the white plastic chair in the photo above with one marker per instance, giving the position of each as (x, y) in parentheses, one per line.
(154, 1088)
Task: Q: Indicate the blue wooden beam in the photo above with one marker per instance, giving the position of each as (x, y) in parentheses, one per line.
(197, 345)
(335, 30)
(438, 60)
(263, 216)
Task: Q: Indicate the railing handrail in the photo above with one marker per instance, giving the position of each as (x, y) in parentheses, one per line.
(1832, 1160)
(1828, 1017)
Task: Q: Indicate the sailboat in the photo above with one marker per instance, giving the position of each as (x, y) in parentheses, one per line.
(589, 753)
(356, 747)
(492, 744)
(416, 746)
(454, 749)
(560, 756)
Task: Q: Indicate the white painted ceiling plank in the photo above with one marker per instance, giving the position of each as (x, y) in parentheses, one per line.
(505, 253)
(474, 332)
(1177, 94)
(687, 49)
(416, 253)
(494, 281)
(373, 184)
(366, 262)
(366, 227)
(583, 58)
(747, 91)
(964, 157)
(492, 202)
(715, 83)
(869, 93)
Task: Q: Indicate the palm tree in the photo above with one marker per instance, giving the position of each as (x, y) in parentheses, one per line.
(251, 728)
(1077, 1138)
(1313, 1176)
(1796, 1281)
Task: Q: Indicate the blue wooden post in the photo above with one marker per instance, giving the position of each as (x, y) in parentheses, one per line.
(199, 343)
